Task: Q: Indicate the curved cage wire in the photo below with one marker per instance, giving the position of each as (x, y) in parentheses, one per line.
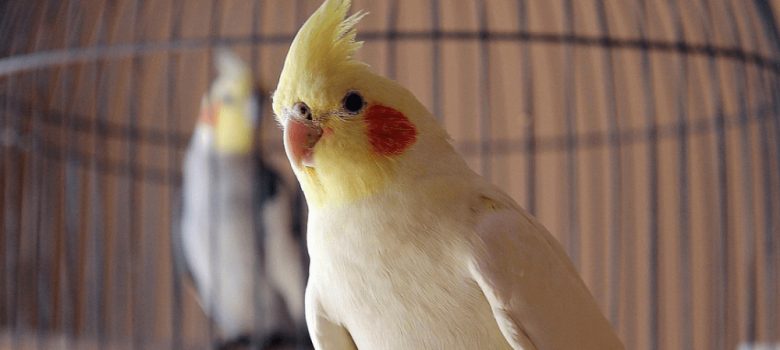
(644, 134)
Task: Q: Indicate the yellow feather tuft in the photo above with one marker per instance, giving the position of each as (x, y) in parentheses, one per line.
(322, 50)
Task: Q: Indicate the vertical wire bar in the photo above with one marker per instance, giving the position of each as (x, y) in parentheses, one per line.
(628, 217)
(774, 264)
(146, 287)
(257, 307)
(13, 197)
(11, 209)
(11, 216)
(27, 318)
(5, 142)
(768, 212)
(774, 248)
(52, 205)
(118, 272)
(600, 283)
(698, 84)
(743, 95)
(4, 245)
(773, 274)
(56, 195)
(43, 312)
(29, 193)
(30, 325)
(570, 114)
(254, 56)
(300, 13)
(6, 25)
(171, 120)
(652, 127)
(615, 152)
(255, 30)
(27, 185)
(113, 254)
(485, 132)
(151, 221)
(392, 39)
(436, 66)
(97, 190)
(684, 274)
(260, 173)
(4, 297)
(722, 292)
(764, 11)
(133, 236)
(80, 252)
(150, 218)
(5, 132)
(43, 307)
(260, 229)
(768, 88)
(70, 210)
(528, 103)
(214, 249)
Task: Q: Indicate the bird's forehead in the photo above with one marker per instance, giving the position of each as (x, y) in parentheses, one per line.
(321, 92)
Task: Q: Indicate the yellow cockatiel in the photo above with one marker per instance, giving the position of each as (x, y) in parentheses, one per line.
(409, 248)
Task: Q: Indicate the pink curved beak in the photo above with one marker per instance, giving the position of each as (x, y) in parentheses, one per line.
(300, 137)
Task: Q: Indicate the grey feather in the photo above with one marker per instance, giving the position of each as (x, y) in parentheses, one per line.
(231, 207)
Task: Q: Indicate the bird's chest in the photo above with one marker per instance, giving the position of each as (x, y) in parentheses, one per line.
(397, 282)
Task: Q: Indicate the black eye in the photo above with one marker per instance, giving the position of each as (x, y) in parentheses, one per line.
(353, 102)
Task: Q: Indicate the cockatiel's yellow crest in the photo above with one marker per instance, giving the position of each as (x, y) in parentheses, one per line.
(409, 248)
(320, 56)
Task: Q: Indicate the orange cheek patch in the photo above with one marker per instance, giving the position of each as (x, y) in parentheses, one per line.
(208, 114)
(389, 132)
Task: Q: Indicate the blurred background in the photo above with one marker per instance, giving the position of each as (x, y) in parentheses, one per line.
(645, 134)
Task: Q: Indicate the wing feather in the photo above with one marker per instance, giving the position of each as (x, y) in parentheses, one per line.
(537, 297)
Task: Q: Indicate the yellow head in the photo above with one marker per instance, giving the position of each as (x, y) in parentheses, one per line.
(347, 131)
(230, 107)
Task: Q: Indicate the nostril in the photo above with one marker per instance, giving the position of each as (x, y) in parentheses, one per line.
(302, 110)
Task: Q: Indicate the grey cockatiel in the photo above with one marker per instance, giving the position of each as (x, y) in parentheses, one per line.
(236, 232)
(409, 248)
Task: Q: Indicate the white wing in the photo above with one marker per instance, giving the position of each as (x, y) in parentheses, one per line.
(537, 297)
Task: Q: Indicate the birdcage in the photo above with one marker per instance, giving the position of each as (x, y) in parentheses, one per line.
(644, 134)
